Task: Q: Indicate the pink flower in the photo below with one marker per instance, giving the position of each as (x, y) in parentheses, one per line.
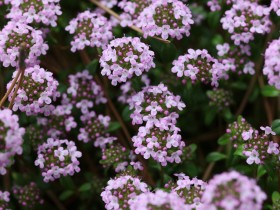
(268, 130)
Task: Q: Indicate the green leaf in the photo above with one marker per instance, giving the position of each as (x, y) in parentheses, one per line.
(276, 126)
(193, 147)
(261, 171)
(270, 91)
(239, 151)
(215, 156)
(224, 139)
(85, 187)
(275, 196)
(113, 126)
(126, 113)
(168, 52)
(92, 66)
(66, 194)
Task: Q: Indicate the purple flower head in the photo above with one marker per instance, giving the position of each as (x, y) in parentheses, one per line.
(166, 18)
(16, 34)
(125, 57)
(4, 200)
(220, 98)
(89, 29)
(275, 5)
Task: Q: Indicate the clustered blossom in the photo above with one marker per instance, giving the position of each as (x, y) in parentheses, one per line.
(132, 10)
(36, 135)
(57, 158)
(198, 65)
(275, 5)
(244, 19)
(125, 57)
(84, 92)
(231, 191)
(4, 199)
(11, 138)
(89, 29)
(109, 3)
(234, 58)
(60, 122)
(272, 63)
(158, 200)
(214, 5)
(161, 145)
(166, 18)
(120, 190)
(220, 98)
(36, 93)
(94, 127)
(156, 106)
(190, 190)
(28, 195)
(35, 11)
(15, 35)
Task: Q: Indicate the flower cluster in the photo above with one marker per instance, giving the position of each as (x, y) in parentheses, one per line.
(235, 58)
(158, 200)
(190, 190)
(166, 18)
(94, 127)
(57, 158)
(11, 138)
(220, 98)
(15, 35)
(125, 57)
(162, 145)
(214, 5)
(89, 29)
(109, 3)
(275, 5)
(244, 19)
(84, 92)
(2, 2)
(198, 65)
(36, 135)
(231, 190)
(4, 200)
(36, 93)
(35, 11)
(156, 106)
(132, 10)
(272, 63)
(28, 195)
(120, 190)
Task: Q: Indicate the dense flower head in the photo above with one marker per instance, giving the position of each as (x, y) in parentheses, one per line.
(244, 19)
(231, 191)
(120, 190)
(36, 93)
(57, 158)
(161, 145)
(190, 190)
(60, 122)
(236, 129)
(84, 92)
(157, 201)
(155, 105)
(109, 3)
(36, 135)
(15, 35)
(198, 65)
(220, 98)
(132, 9)
(4, 200)
(272, 63)
(94, 127)
(11, 138)
(275, 5)
(35, 11)
(234, 58)
(166, 18)
(28, 195)
(214, 5)
(125, 57)
(89, 29)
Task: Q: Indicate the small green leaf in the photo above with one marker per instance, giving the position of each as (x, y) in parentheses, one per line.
(239, 151)
(276, 126)
(275, 196)
(85, 187)
(215, 156)
(66, 194)
(193, 147)
(126, 113)
(113, 126)
(261, 171)
(168, 52)
(224, 139)
(270, 91)
(92, 66)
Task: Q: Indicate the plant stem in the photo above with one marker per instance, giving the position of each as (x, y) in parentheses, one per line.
(114, 14)
(16, 90)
